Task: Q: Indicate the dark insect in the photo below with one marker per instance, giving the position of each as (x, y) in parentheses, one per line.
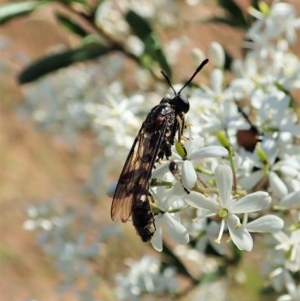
(153, 142)
(248, 138)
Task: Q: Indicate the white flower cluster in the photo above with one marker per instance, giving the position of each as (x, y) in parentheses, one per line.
(71, 102)
(70, 250)
(66, 109)
(145, 276)
(240, 160)
(254, 117)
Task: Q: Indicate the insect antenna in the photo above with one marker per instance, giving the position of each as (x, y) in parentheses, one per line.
(168, 80)
(200, 67)
(165, 75)
(253, 127)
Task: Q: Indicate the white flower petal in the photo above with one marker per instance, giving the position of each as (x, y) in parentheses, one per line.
(223, 175)
(278, 187)
(216, 54)
(216, 80)
(156, 240)
(188, 175)
(289, 171)
(282, 238)
(160, 170)
(267, 223)
(292, 199)
(285, 297)
(251, 180)
(202, 243)
(176, 230)
(252, 202)
(199, 201)
(239, 234)
(209, 151)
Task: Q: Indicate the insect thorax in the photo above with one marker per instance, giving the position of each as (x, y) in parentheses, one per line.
(161, 116)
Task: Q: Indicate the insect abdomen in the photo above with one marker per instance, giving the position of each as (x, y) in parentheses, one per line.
(142, 218)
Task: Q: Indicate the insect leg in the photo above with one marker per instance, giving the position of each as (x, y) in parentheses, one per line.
(173, 167)
(180, 125)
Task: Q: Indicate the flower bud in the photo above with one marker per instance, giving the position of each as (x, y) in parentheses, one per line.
(216, 55)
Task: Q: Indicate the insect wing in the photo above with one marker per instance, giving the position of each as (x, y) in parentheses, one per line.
(134, 178)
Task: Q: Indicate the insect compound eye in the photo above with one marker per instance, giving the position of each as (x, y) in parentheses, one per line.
(181, 104)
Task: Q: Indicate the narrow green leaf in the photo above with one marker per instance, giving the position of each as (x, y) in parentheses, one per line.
(12, 10)
(84, 2)
(71, 25)
(234, 11)
(57, 61)
(139, 25)
(230, 6)
(227, 20)
(255, 3)
(154, 49)
(153, 52)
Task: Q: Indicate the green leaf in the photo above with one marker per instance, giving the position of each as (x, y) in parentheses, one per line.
(230, 6)
(153, 52)
(154, 49)
(139, 25)
(234, 11)
(12, 10)
(89, 50)
(255, 3)
(71, 25)
(226, 20)
(84, 2)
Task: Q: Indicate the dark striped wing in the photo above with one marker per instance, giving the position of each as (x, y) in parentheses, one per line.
(134, 178)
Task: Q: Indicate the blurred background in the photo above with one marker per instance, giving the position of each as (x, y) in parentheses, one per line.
(52, 156)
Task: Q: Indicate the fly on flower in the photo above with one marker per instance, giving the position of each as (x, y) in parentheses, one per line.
(153, 143)
(248, 138)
